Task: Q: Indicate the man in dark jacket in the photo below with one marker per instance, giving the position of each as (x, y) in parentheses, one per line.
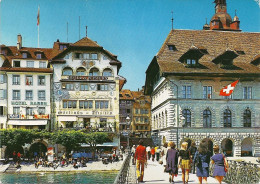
(193, 150)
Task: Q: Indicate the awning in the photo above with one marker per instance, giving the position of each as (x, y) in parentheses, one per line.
(107, 144)
(27, 122)
(67, 118)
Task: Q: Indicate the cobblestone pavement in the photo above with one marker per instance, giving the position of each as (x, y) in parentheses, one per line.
(154, 174)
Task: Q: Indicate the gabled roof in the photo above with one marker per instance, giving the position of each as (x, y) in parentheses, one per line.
(216, 43)
(86, 42)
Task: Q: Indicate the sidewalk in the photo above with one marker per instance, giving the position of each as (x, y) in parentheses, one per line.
(154, 174)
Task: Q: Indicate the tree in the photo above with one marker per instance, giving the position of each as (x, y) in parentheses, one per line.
(70, 139)
(95, 138)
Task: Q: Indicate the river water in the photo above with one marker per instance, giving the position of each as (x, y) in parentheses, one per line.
(60, 177)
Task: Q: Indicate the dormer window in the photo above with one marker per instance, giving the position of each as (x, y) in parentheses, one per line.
(39, 56)
(4, 52)
(172, 47)
(24, 55)
(62, 46)
(191, 62)
(225, 60)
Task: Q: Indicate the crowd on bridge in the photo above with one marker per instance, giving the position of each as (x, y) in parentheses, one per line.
(188, 159)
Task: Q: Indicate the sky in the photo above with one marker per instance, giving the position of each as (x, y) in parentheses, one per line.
(134, 30)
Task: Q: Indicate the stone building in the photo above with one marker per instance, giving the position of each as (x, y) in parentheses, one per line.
(184, 80)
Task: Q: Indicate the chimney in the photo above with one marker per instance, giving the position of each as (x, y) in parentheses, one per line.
(19, 41)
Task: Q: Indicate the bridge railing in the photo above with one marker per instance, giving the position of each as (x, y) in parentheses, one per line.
(241, 172)
(123, 176)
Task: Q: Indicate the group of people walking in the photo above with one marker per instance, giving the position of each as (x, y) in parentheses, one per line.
(186, 159)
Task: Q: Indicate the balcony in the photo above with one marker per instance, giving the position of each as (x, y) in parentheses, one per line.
(22, 116)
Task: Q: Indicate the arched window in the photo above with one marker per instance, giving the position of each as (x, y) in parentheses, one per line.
(67, 71)
(227, 118)
(206, 118)
(94, 72)
(107, 72)
(81, 71)
(187, 115)
(247, 118)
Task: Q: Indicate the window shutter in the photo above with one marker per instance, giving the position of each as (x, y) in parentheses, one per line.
(4, 95)
(5, 111)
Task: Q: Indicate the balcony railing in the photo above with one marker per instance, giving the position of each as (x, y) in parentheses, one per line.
(22, 116)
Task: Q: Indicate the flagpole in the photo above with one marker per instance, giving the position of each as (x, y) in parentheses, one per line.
(38, 36)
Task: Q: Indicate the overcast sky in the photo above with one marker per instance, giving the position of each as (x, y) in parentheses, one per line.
(134, 30)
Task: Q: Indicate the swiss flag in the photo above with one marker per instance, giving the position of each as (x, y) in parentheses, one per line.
(228, 90)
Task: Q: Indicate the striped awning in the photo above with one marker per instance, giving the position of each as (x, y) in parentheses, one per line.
(27, 122)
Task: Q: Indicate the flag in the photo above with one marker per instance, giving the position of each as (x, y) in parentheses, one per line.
(228, 90)
(38, 16)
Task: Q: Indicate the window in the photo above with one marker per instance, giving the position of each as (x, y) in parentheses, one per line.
(1, 110)
(16, 110)
(29, 111)
(186, 91)
(41, 80)
(94, 72)
(67, 56)
(80, 71)
(247, 118)
(85, 104)
(69, 87)
(141, 119)
(16, 95)
(191, 62)
(17, 64)
(146, 120)
(67, 71)
(136, 119)
(2, 93)
(29, 95)
(247, 94)
(93, 56)
(136, 111)
(24, 55)
(187, 115)
(29, 80)
(16, 79)
(42, 64)
(128, 111)
(41, 111)
(78, 55)
(86, 56)
(84, 87)
(3, 52)
(41, 95)
(102, 87)
(206, 118)
(2, 79)
(62, 46)
(38, 56)
(227, 118)
(107, 72)
(30, 64)
(228, 97)
(207, 92)
(101, 104)
(172, 47)
(69, 104)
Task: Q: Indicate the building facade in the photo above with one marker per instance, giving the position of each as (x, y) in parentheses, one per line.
(85, 86)
(184, 80)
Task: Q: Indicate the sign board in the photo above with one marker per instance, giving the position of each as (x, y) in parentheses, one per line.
(88, 78)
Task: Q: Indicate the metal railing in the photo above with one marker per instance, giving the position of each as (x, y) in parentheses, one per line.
(240, 172)
(124, 175)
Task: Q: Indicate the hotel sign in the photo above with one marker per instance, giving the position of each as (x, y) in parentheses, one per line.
(68, 112)
(89, 78)
(27, 103)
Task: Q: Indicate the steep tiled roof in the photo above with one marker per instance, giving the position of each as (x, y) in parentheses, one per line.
(86, 42)
(122, 82)
(215, 43)
(126, 94)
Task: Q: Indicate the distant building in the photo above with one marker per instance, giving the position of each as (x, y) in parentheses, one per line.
(184, 80)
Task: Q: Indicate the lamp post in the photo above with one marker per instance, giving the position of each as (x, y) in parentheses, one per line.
(128, 121)
(177, 102)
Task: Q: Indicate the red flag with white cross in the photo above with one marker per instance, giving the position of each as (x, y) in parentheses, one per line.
(228, 90)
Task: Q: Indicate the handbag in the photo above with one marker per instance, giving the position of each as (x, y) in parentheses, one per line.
(225, 164)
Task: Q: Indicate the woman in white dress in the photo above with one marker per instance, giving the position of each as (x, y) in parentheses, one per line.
(164, 153)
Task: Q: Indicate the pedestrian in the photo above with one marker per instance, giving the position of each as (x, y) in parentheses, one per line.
(148, 150)
(141, 160)
(18, 156)
(14, 156)
(184, 162)
(164, 153)
(171, 161)
(219, 160)
(133, 154)
(202, 159)
(158, 152)
(153, 153)
(193, 150)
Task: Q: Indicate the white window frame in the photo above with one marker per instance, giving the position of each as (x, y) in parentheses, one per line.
(30, 64)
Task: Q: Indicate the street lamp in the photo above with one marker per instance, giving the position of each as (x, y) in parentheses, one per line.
(128, 121)
(183, 124)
